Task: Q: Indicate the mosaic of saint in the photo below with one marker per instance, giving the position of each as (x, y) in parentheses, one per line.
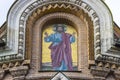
(58, 46)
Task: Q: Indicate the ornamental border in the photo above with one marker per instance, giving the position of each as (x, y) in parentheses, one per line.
(77, 3)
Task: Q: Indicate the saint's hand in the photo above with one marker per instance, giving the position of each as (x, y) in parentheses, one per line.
(46, 34)
(73, 34)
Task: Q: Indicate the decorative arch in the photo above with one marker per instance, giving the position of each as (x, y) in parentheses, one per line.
(37, 30)
(97, 11)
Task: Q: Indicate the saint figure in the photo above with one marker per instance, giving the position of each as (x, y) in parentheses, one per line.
(60, 48)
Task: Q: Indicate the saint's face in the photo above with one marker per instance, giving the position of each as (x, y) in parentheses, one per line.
(60, 29)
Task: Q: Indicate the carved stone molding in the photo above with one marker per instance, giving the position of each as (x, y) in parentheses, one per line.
(19, 16)
(9, 65)
(117, 74)
(1, 74)
(19, 72)
(110, 58)
(99, 72)
(103, 69)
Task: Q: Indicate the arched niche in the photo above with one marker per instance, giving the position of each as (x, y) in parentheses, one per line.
(70, 19)
(98, 17)
(80, 22)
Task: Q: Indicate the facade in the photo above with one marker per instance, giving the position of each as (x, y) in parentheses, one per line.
(59, 40)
